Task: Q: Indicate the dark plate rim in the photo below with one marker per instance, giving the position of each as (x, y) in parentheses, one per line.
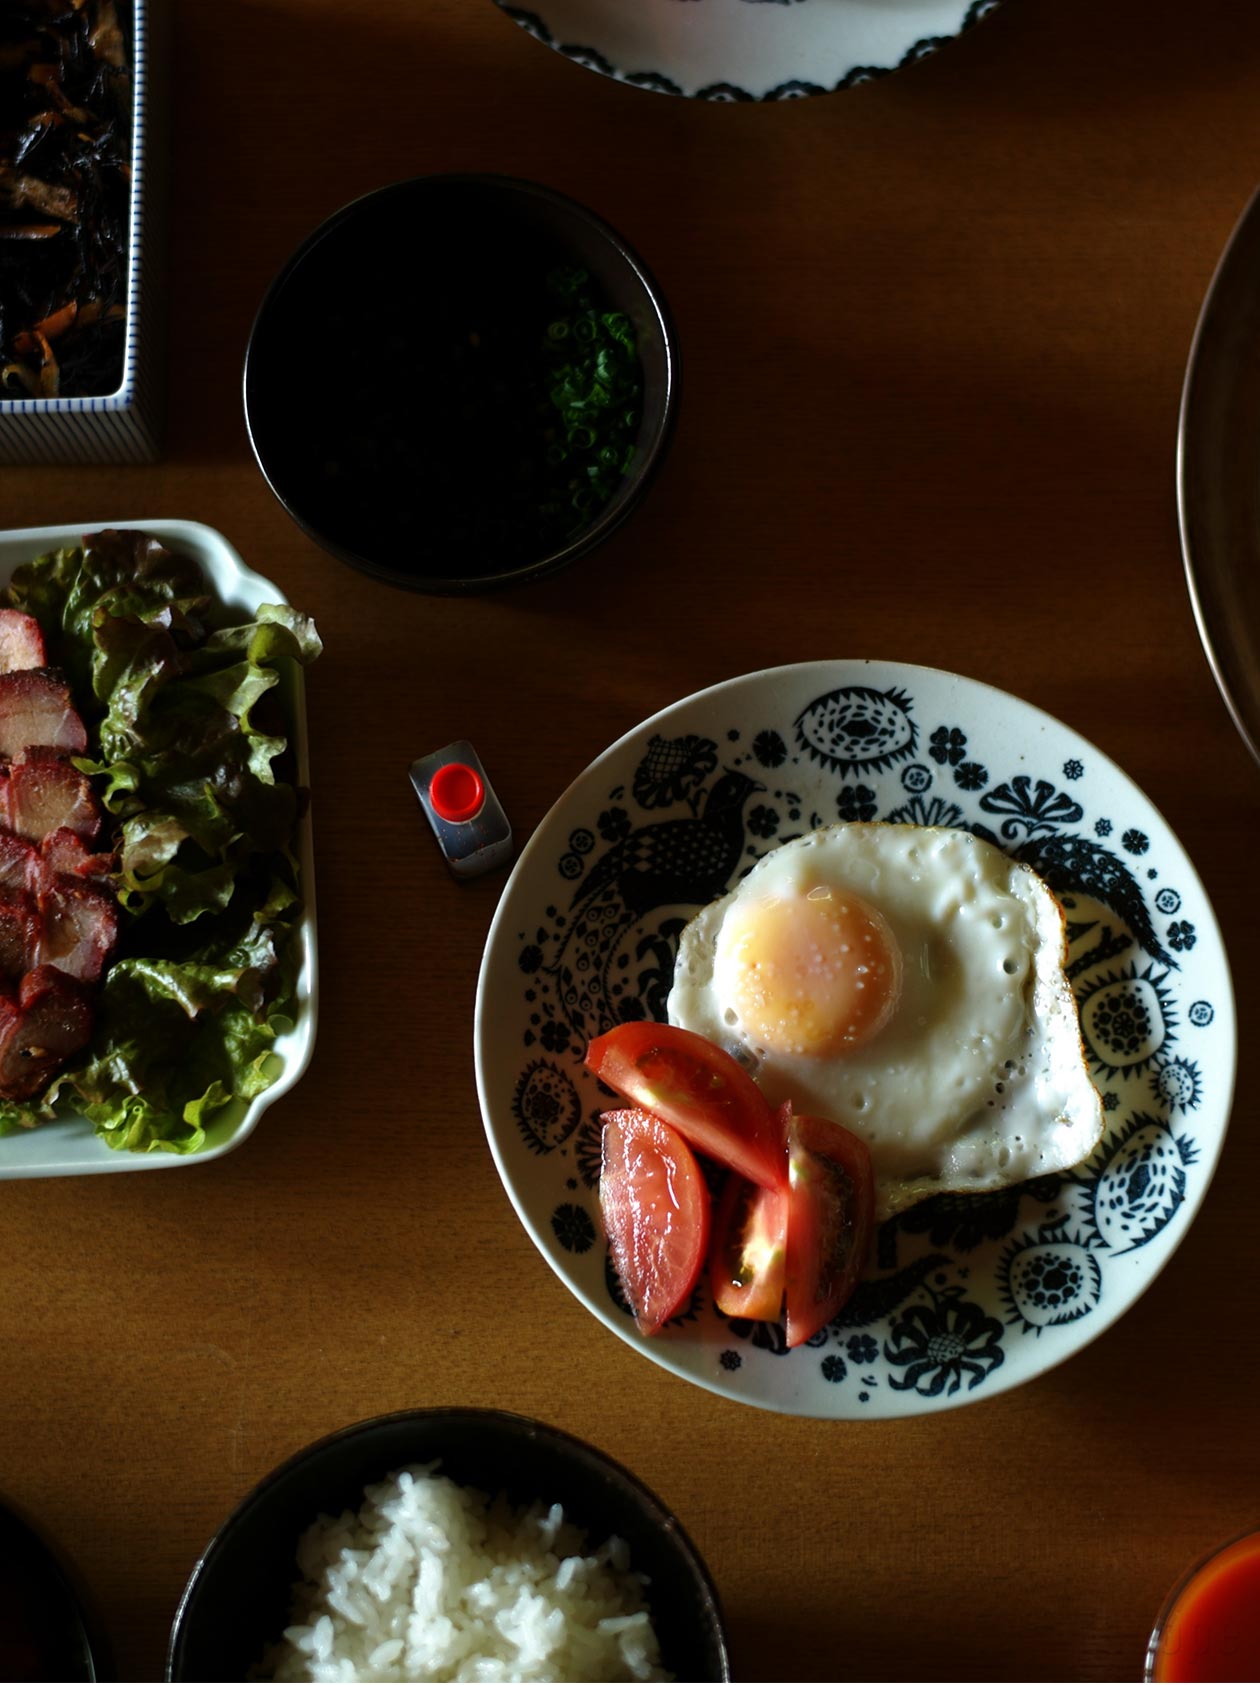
(81, 1630)
(1213, 385)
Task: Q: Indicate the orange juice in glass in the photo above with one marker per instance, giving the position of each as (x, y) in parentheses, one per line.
(1209, 1628)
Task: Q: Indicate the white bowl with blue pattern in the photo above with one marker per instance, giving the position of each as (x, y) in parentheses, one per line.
(735, 51)
(965, 1296)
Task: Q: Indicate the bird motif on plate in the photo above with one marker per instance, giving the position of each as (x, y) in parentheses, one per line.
(683, 863)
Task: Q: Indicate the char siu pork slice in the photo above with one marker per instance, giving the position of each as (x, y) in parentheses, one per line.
(46, 1020)
(36, 712)
(65, 852)
(17, 861)
(21, 641)
(58, 918)
(43, 794)
(62, 853)
(55, 907)
(78, 927)
(19, 935)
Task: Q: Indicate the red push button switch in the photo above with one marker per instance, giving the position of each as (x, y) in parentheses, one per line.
(463, 811)
(457, 792)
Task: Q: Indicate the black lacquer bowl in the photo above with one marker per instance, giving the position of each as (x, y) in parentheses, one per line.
(391, 381)
(236, 1603)
(47, 1630)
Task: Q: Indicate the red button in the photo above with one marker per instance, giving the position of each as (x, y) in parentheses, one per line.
(456, 792)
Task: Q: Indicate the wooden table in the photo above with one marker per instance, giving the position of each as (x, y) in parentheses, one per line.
(935, 330)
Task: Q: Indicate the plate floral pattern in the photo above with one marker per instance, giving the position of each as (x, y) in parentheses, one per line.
(966, 1295)
(737, 51)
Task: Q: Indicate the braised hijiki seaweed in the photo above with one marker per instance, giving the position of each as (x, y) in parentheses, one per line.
(65, 180)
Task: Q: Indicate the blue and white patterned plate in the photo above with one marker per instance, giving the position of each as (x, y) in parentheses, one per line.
(745, 50)
(966, 1295)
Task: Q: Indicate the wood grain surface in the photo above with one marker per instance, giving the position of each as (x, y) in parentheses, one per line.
(934, 332)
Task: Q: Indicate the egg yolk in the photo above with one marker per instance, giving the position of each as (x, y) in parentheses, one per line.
(812, 973)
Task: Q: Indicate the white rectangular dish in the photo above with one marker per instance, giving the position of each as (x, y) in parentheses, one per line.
(121, 426)
(68, 1146)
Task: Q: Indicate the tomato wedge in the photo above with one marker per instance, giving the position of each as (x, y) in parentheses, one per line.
(749, 1252)
(656, 1213)
(831, 1217)
(699, 1089)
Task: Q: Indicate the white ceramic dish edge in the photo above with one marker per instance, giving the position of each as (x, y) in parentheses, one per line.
(735, 53)
(68, 1147)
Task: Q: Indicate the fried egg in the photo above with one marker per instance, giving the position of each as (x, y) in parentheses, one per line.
(908, 983)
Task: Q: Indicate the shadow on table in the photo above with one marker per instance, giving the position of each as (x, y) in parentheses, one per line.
(272, 125)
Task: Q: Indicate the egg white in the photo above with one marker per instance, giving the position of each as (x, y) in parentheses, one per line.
(979, 1079)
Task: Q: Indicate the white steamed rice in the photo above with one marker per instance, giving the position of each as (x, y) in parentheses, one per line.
(433, 1581)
